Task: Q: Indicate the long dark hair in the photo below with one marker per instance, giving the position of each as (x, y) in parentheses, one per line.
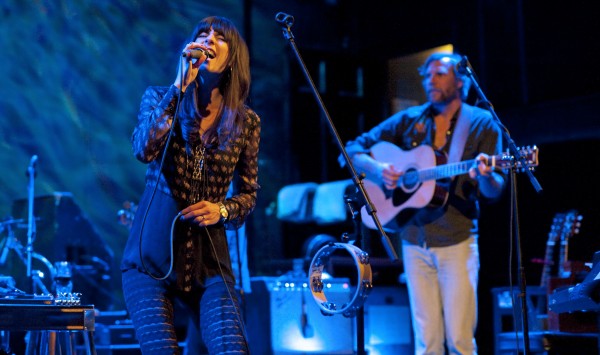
(235, 81)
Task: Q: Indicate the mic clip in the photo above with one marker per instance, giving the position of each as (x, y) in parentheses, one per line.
(463, 67)
(284, 19)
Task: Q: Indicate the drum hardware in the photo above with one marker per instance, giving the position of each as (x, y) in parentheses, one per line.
(36, 278)
(31, 225)
(26, 253)
(10, 239)
(56, 236)
(10, 222)
(12, 243)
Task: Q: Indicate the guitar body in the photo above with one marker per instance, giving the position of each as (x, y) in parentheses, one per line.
(410, 194)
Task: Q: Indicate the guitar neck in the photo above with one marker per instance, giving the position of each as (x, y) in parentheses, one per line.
(446, 171)
(563, 258)
(571, 227)
(548, 261)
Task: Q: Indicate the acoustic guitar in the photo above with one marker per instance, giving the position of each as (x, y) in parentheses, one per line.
(426, 178)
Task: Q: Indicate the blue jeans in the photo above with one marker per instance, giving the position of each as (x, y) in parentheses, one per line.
(442, 287)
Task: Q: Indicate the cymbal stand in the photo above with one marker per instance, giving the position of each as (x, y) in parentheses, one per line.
(31, 226)
(12, 243)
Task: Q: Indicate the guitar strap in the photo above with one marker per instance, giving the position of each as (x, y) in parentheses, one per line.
(461, 131)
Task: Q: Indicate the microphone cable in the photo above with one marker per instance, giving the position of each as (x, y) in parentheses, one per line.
(236, 310)
(160, 168)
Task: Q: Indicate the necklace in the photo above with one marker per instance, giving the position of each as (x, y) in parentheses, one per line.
(197, 175)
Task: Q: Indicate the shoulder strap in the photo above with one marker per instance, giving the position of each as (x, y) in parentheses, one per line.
(459, 136)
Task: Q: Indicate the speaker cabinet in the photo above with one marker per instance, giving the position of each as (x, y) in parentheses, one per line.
(283, 318)
(388, 328)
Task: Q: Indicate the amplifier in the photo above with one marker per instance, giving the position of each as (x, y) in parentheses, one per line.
(283, 318)
(388, 327)
(115, 334)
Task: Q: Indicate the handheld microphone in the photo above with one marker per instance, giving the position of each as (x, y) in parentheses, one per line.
(197, 53)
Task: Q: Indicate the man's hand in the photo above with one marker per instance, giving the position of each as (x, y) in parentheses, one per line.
(389, 175)
(480, 167)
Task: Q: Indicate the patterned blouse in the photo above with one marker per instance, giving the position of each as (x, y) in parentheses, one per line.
(181, 166)
(200, 170)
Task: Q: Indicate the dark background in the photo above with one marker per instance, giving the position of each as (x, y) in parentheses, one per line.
(72, 74)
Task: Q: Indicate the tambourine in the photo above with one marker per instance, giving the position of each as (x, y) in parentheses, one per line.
(363, 285)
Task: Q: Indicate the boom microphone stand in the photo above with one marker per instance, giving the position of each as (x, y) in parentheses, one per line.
(286, 21)
(464, 67)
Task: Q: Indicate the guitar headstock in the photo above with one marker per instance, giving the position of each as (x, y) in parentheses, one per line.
(556, 230)
(571, 225)
(530, 154)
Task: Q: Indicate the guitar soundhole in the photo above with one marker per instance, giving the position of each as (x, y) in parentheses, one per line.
(409, 183)
(410, 180)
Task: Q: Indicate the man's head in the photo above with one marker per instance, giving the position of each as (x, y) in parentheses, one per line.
(441, 81)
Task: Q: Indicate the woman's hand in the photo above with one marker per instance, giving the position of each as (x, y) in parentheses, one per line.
(203, 213)
(190, 67)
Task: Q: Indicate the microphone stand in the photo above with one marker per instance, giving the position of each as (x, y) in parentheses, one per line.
(31, 226)
(286, 21)
(465, 67)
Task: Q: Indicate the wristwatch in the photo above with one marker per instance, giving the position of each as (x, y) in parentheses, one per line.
(223, 212)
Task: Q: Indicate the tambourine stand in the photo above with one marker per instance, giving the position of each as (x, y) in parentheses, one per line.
(354, 307)
(354, 207)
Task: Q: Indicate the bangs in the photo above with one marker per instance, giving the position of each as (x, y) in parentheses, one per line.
(221, 25)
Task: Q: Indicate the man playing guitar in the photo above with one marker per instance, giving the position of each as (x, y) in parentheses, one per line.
(439, 240)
